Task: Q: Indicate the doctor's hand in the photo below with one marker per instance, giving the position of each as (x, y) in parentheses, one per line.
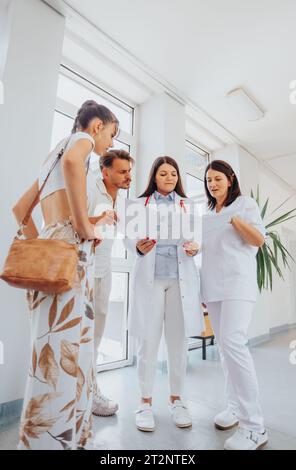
(108, 217)
(191, 248)
(145, 245)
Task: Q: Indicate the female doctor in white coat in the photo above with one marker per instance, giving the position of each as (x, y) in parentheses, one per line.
(232, 232)
(164, 294)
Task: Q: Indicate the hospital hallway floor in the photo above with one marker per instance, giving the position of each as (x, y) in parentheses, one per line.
(205, 397)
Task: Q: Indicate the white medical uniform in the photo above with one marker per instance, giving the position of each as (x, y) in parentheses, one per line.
(169, 303)
(229, 289)
(101, 201)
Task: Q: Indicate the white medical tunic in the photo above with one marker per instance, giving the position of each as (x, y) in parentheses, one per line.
(229, 267)
(101, 201)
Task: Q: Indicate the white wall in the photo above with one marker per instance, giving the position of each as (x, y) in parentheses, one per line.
(30, 81)
(276, 308)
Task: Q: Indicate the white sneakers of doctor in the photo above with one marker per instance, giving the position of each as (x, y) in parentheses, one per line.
(180, 414)
(144, 418)
(243, 439)
(225, 420)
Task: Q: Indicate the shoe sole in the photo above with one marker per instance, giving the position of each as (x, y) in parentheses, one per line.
(104, 415)
(146, 429)
(225, 428)
(184, 425)
(262, 445)
(257, 448)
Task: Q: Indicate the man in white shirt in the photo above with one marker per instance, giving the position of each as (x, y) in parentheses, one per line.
(116, 166)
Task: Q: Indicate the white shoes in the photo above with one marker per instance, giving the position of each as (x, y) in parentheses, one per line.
(103, 406)
(180, 414)
(144, 418)
(243, 439)
(225, 420)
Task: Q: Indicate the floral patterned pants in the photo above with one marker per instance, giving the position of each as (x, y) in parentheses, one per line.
(58, 399)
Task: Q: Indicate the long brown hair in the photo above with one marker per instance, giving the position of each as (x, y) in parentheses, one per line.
(151, 187)
(233, 191)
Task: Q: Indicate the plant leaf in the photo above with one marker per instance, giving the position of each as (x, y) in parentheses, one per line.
(263, 212)
(282, 218)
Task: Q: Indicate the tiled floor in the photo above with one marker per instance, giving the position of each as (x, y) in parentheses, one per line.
(277, 379)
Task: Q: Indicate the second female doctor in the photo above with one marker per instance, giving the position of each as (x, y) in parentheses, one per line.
(232, 232)
(164, 295)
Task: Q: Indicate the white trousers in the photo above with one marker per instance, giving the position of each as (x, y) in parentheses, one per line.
(102, 288)
(167, 312)
(230, 320)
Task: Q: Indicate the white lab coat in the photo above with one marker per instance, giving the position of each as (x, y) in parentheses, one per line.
(229, 268)
(143, 280)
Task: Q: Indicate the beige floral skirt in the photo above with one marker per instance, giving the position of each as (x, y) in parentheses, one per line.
(58, 398)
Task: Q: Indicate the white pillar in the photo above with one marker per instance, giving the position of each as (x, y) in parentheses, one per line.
(245, 166)
(161, 133)
(30, 76)
(230, 154)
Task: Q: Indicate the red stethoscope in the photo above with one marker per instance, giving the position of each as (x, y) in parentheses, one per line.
(182, 205)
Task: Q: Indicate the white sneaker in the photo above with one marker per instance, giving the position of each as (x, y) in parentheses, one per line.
(144, 418)
(227, 419)
(243, 439)
(102, 406)
(180, 414)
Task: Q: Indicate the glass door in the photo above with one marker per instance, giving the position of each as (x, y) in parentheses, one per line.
(73, 90)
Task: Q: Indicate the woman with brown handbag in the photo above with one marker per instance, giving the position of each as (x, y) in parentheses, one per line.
(58, 398)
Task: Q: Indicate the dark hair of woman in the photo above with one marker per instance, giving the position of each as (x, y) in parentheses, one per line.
(233, 191)
(151, 187)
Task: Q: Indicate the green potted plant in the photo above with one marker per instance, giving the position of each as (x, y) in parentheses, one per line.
(273, 250)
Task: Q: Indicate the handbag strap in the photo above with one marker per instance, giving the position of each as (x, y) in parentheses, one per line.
(36, 200)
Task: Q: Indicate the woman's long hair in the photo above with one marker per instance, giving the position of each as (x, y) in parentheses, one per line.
(151, 187)
(233, 190)
(91, 109)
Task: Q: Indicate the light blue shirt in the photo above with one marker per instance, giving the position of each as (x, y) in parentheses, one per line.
(166, 258)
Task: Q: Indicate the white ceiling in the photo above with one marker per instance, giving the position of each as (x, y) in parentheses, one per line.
(205, 48)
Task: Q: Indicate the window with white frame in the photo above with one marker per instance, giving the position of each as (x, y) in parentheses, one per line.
(196, 160)
(73, 90)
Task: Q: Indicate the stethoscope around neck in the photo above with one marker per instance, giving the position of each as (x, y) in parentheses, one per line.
(182, 205)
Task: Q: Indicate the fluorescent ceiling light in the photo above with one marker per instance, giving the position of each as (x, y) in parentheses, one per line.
(244, 106)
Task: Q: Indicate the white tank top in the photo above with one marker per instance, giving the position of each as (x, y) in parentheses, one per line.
(56, 181)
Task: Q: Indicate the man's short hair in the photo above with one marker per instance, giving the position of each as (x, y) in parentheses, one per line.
(106, 160)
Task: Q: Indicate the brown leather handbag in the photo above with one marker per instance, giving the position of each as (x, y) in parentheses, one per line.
(46, 265)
